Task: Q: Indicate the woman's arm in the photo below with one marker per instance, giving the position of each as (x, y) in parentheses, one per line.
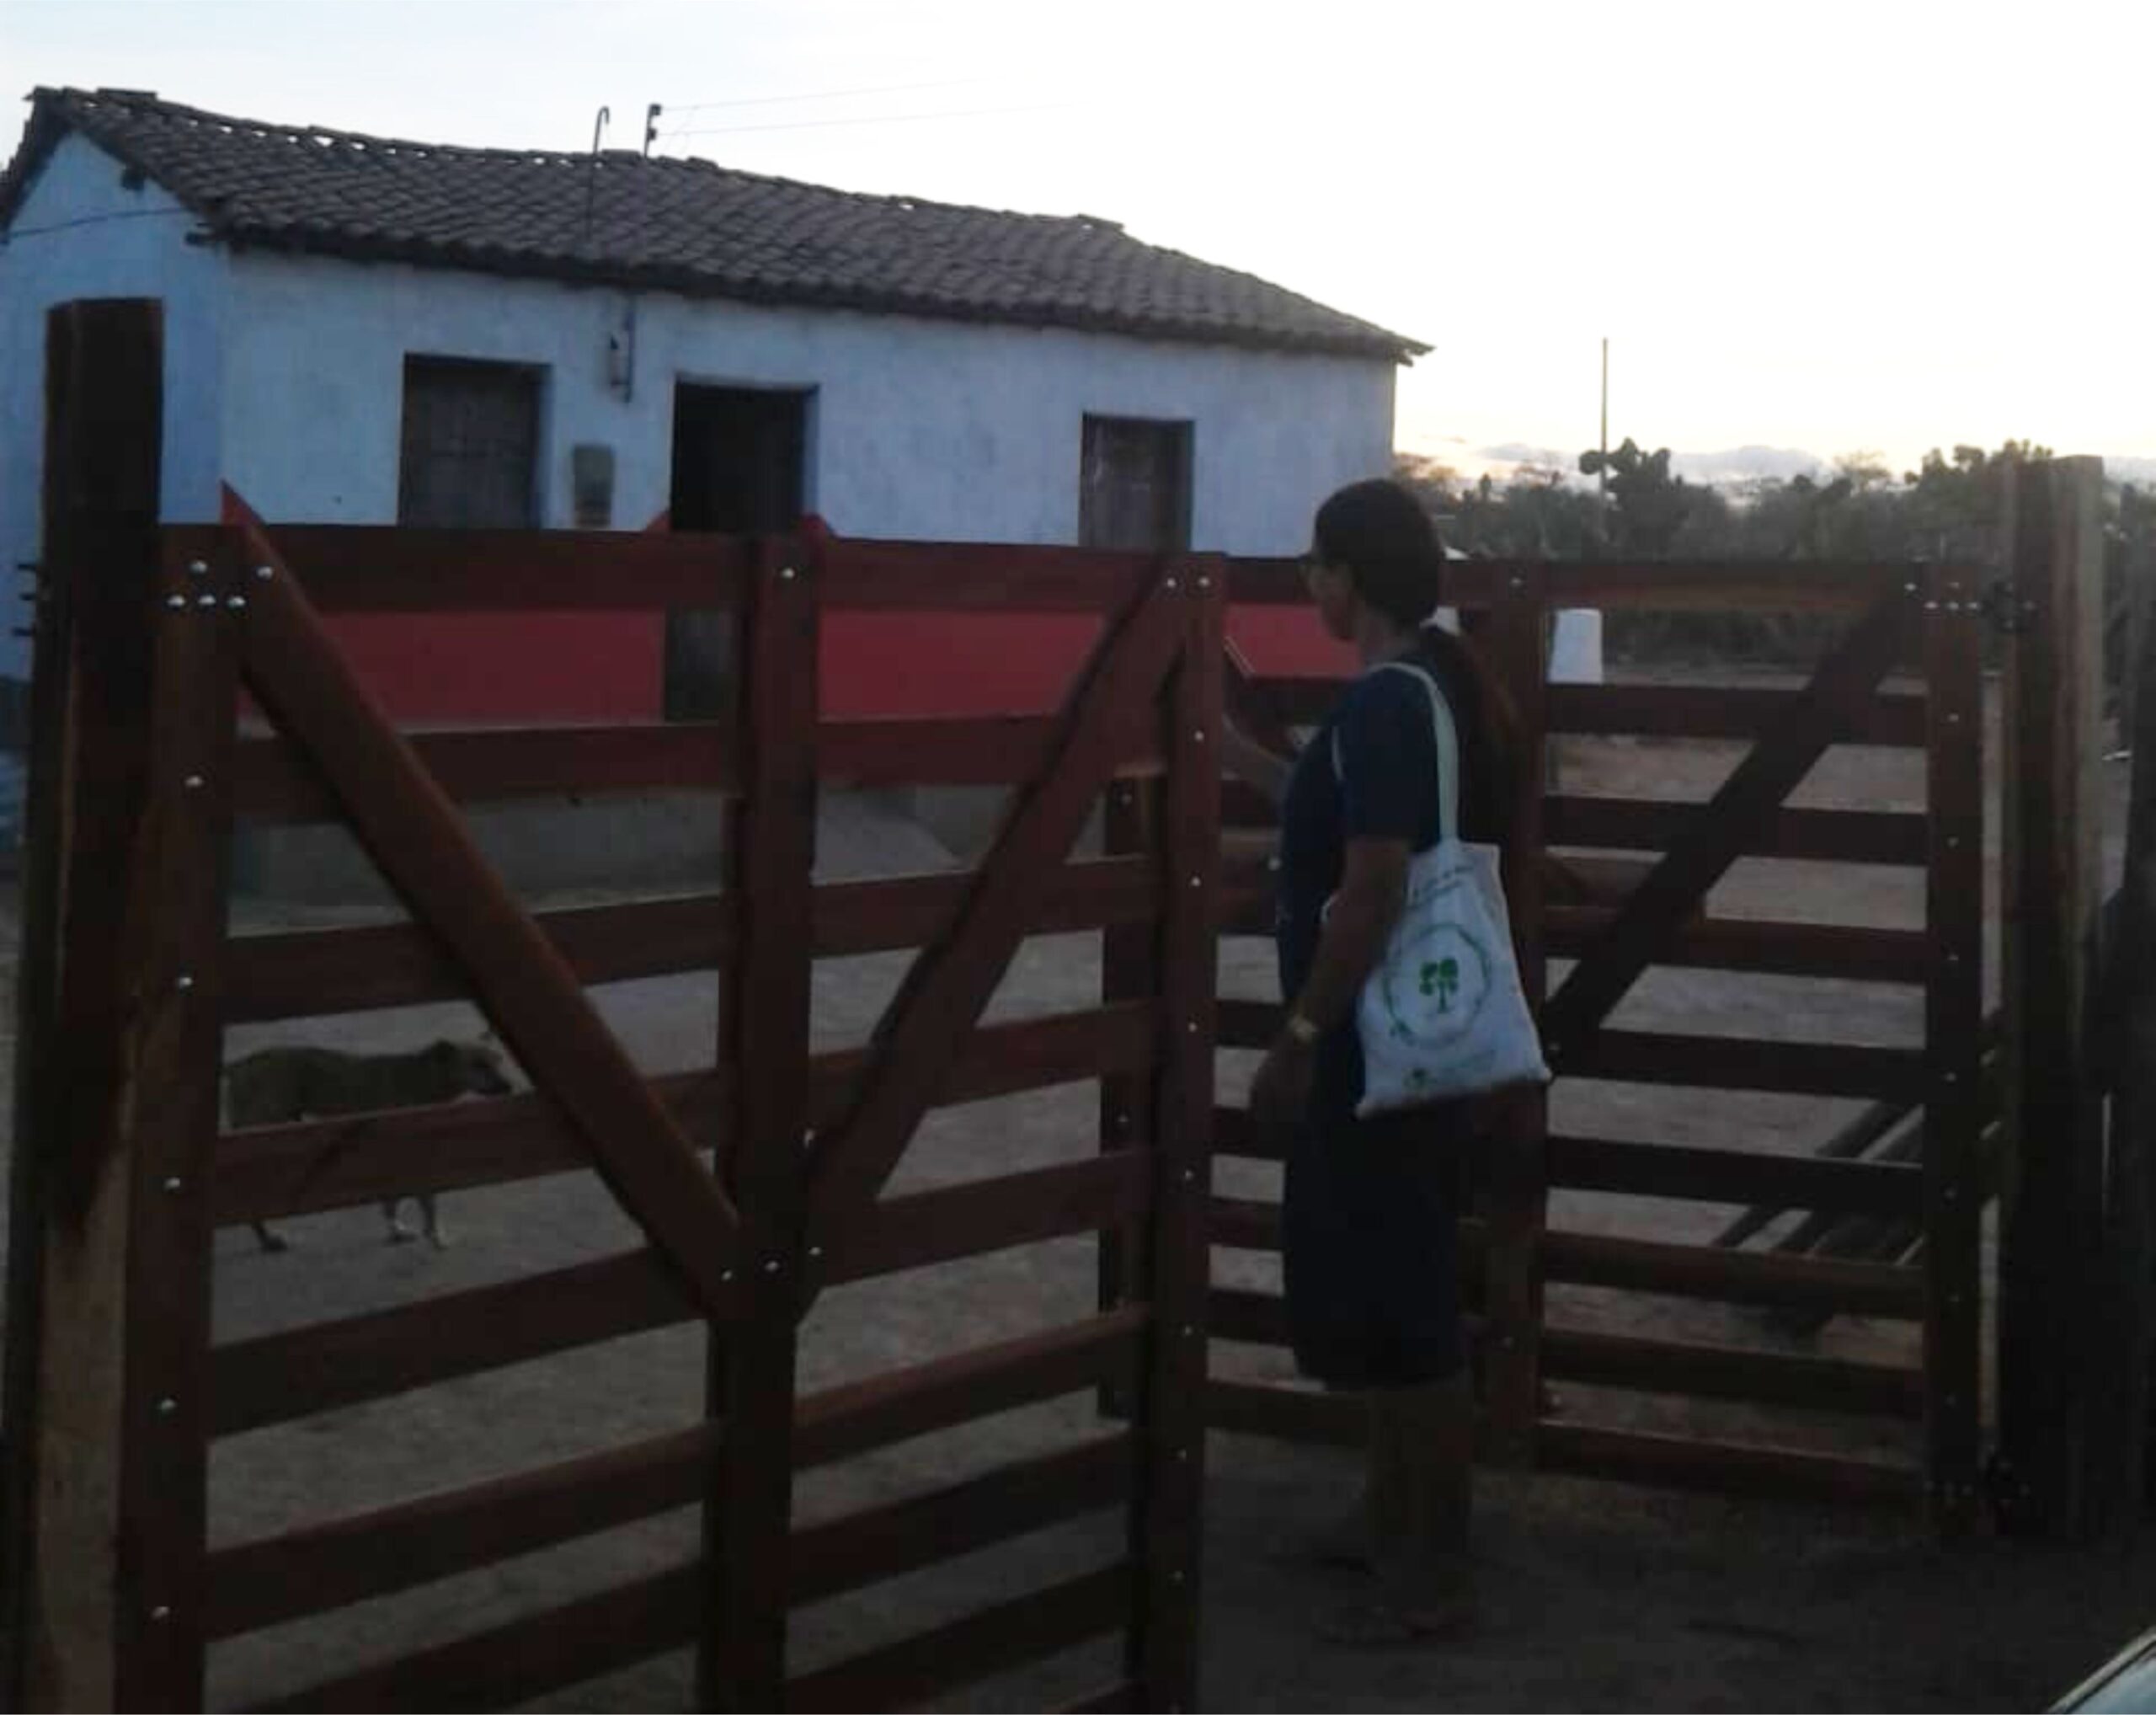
(1248, 760)
(1372, 891)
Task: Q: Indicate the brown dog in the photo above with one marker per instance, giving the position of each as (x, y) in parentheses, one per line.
(278, 1086)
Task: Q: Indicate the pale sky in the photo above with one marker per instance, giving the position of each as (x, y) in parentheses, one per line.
(1885, 225)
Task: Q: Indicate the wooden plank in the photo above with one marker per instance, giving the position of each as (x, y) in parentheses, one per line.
(310, 972)
(1238, 1223)
(83, 1636)
(945, 577)
(1696, 1368)
(275, 1378)
(926, 1227)
(381, 569)
(875, 916)
(335, 1562)
(1007, 1635)
(2049, 1370)
(1249, 1318)
(1287, 1413)
(186, 855)
(1131, 823)
(1710, 1175)
(1725, 1467)
(1814, 836)
(1723, 712)
(512, 1664)
(1739, 1277)
(1953, 1047)
(980, 751)
(1166, 1520)
(530, 996)
(764, 1029)
(358, 1158)
(276, 782)
(1700, 857)
(1516, 1172)
(1736, 1063)
(903, 1535)
(842, 1422)
(951, 981)
(1756, 946)
(1765, 586)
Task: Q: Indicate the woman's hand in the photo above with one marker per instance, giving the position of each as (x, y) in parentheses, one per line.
(1280, 1093)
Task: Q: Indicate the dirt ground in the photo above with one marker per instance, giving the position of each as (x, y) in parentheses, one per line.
(1597, 1596)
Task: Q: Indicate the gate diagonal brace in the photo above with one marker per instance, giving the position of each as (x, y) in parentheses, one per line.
(1113, 703)
(1677, 886)
(519, 979)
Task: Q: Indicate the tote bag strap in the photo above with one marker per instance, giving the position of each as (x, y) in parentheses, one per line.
(1447, 735)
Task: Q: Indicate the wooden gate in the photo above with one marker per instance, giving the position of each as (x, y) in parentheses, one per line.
(1888, 1150)
(130, 1406)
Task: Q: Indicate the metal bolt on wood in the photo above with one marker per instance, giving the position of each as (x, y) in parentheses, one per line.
(263, 574)
(183, 981)
(198, 569)
(168, 1406)
(173, 1183)
(161, 1613)
(193, 782)
(786, 574)
(175, 602)
(205, 600)
(237, 602)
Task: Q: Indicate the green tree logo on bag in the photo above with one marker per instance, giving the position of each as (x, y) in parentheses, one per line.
(1434, 986)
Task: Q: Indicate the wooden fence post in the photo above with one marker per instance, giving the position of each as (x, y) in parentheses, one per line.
(1167, 1516)
(2052, 1214)
(1129, 971)
(1516, 638)
(1951, 645)
(764, 1021)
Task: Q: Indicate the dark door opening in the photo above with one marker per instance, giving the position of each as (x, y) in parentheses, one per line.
(739, 460)
(1134, 484)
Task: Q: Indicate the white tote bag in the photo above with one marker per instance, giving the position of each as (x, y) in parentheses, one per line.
(1443, 1015)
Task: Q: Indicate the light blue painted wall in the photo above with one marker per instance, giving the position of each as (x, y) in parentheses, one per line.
(920, 429)
(81, 234)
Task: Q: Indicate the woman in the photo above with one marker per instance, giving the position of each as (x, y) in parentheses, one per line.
(1370, 1217)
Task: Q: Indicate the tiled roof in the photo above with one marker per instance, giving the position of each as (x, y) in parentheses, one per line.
(682, 225)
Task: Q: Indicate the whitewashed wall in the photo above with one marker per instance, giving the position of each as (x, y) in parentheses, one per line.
(920, 429)
(80, 233)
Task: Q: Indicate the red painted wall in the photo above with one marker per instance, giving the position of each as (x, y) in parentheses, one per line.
(458, 669)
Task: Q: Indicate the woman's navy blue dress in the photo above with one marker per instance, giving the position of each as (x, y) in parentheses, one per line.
(1370, 1222)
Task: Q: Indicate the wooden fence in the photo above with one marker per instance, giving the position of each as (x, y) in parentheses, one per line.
(759, 1182)
(1612, 917)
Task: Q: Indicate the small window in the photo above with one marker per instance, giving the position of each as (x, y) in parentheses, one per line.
(1134, 485)
(471, 446)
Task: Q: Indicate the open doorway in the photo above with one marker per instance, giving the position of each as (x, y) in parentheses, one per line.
(740, 458)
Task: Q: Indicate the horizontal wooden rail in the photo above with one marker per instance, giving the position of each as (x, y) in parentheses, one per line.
(1745, 1277)
(273, 1378)
(947, 577)
(977, 750)
(1708, 1175)
(992, 1641)
(1762, 586)
(843, 1422)
(1723, 1467)
(1286, 1413)
(359, 1158)
(927, 1227)
(1721, 712)
(1248, 1317)
(310, 972)
(512, 1664)
(1816, 836)
(1697, 1370)
(903, 1535)
(1737, 1063)
(1244, 1224)
(1236, 1133)
(333, 1562)
(378, 569)
(273, 781)
(1757, 947)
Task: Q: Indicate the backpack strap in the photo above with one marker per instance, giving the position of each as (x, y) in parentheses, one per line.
(1446, 736)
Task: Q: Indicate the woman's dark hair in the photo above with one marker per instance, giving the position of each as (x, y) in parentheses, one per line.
(1378, 533)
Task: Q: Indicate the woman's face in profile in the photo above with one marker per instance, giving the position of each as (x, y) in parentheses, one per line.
(1334, 593)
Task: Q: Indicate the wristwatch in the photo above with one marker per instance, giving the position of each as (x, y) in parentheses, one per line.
(1301, 1032)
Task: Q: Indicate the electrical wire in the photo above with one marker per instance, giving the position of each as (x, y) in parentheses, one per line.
(97, 220)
